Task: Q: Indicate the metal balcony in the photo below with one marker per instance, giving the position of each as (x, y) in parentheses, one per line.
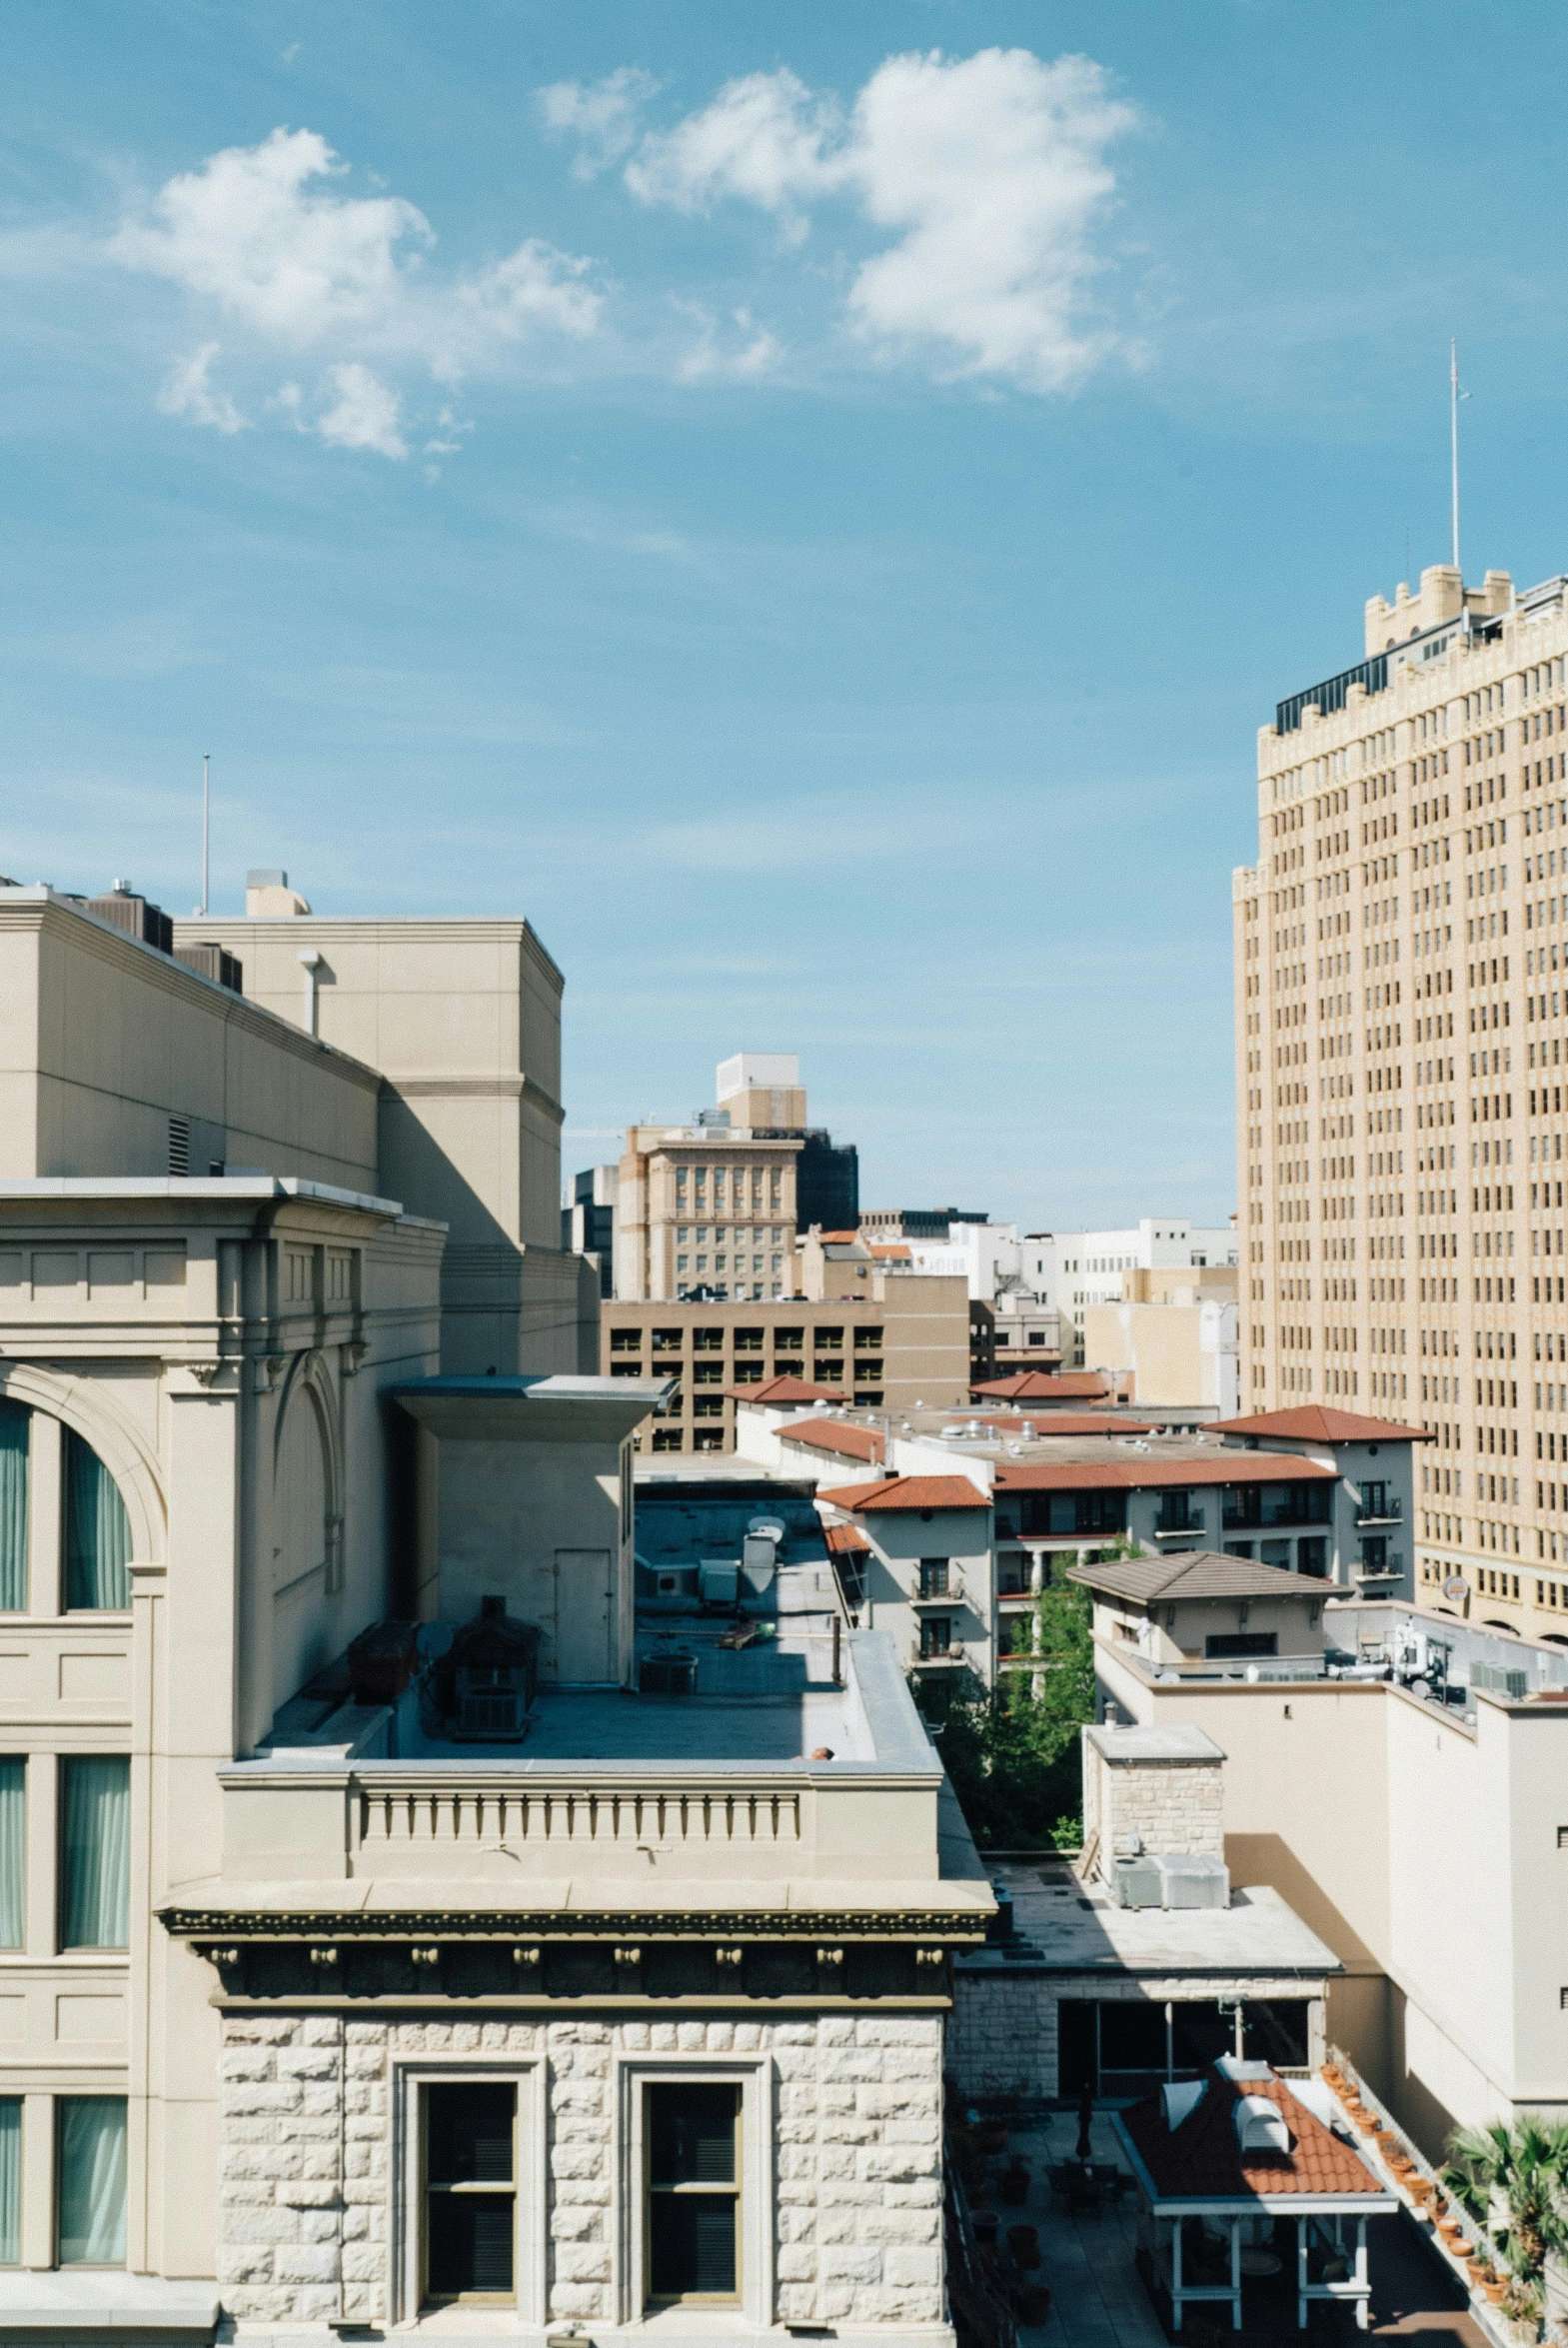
(951, 1595)
(1388, 1511)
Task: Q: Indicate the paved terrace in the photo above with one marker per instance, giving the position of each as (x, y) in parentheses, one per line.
(1098, 2299)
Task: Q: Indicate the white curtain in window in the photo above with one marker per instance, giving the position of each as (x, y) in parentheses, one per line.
(13, 1847)
(10, 2180)
(96, 1852)
(97, 1533)
(15, 1420)
(92, 2180)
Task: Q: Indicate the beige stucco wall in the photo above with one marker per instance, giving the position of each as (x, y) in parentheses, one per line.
(1420, 1851)
(462, 1019)
(103, 1041)
(183, 1372)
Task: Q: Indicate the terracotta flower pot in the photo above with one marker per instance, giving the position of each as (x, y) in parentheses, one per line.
(1461, 2248)
(1023, 2245)
(1033, 2302)
(1014, 2185)
(987, 2225)
(1494, 2291)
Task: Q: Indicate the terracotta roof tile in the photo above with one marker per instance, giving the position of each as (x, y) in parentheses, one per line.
(909, 1492)
(1030, 1386)
(785, 1390)
(829, 1434)
(1203, 2157)
(845, 1540)
(1317, 1423)
(1156, 1473)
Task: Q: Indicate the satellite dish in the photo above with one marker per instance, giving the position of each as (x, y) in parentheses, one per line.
(433, 1639)
(771, 1528)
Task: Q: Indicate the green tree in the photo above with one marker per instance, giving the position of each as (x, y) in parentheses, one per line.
(1519, 2173)
(1014, 1757)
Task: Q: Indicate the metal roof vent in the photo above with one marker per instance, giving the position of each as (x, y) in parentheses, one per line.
(1180, 2102)
(1261, 2125)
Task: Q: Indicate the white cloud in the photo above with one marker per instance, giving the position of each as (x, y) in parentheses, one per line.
(248, 232)
(764, 138)
(601, 116)
(188, 391)
(364, 413)
(758, 354)
(265, 237)
(992, 168)
(535, 286)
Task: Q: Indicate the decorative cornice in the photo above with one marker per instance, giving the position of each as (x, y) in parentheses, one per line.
(616, 1926)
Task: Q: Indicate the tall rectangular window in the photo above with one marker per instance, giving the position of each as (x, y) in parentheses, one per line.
(97, 1533)
(90, 2188)
(10, 2180)
(13, 1850)
(15, 1428)
(470, 2191)
(694, 2193)
(95, 1851)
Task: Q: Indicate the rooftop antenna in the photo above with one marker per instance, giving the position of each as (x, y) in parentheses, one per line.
(1455, 394)
(207, 822)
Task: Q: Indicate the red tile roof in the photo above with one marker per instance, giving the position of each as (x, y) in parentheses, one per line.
(829, 1434)
(786, 1390)
(892, 1251)
(1156, 1473)
(1202, 2158)
(1315, 1422)
(837, 1239)
(1039, 1386)
(909, 1491)
(845, 1540)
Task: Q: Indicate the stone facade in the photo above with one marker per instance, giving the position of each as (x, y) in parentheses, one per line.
(851, 2224)
(1174, 1807)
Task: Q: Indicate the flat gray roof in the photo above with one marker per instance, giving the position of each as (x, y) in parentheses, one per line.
(1077, 1928)
(1155, 1744)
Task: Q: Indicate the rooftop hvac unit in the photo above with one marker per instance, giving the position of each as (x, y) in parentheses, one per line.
(718, 1580)
(674, 1673)
(1498, 1679)
(1138, 1883)
(492, 1703)
(1192, 1881)
(759, 1559)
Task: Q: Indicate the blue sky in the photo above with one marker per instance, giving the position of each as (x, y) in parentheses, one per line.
(810, 505)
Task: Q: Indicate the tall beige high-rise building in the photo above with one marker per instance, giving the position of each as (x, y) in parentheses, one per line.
(1401, 961)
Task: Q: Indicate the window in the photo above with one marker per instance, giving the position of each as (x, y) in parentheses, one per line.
(707, 1341)
(749, 1341)
(1312, 1557)
(668, 1439)
(90, 2184)
(709, 1373)
(626, 1368)
(97, 1533)
(13, 1852)
(933, 1578)
(666, 1341)
(788, 1340)
(470, 2191)
(625, 1340)
(936, 1636)
(694, 2193)
(15, 1428)
(830, 1339)
(95, 1851)
(1222, 1646)
(869, 1340)
(10, 2180)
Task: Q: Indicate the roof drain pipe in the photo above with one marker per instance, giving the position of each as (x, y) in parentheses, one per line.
(309, 962)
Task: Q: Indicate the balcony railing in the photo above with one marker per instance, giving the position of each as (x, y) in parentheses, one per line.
(1390, 1570)
(1387, 1510)
(1168, 1528)
(950, 1658)
(951, 1592)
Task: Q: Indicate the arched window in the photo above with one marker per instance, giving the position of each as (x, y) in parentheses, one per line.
(97, 1533)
